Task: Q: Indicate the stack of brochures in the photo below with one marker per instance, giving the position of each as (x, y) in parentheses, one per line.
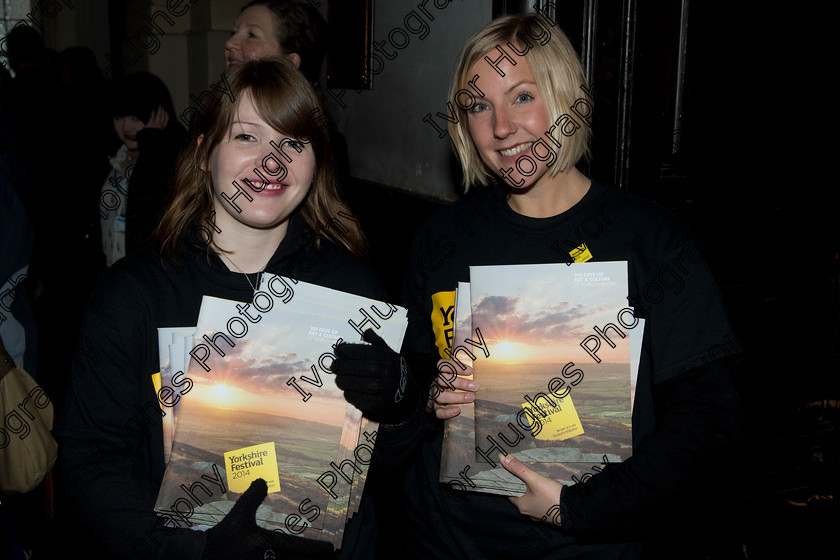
(259, 400)
(554, 349)
(174, 346)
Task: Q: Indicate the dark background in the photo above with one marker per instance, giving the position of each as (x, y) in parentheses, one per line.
(753, 175)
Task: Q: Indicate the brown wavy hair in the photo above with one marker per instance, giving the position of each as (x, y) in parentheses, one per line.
(287, 102)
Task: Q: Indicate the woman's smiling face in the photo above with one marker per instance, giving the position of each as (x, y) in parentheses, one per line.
(507, 120)
(254, 184)
(127, 128)
(253, 37)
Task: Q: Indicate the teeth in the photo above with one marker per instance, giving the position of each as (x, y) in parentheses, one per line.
(516, 149)
(259, 186)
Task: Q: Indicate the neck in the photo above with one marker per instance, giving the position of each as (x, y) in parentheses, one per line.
(551, 196)
(248, 248)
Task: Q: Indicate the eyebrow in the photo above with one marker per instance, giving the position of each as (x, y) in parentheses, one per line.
(248, 24)
(249, 123)
(286, 138)
(519, 83)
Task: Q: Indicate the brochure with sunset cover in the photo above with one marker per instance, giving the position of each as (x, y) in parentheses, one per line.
(527, 326)
(174, 345)
(264, 405)
(459, 432)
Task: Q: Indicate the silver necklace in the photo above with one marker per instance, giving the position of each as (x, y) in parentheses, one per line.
(259, 274)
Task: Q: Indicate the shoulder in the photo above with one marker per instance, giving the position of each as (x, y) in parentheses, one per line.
(635, 210)
(466, 217)
(329, 264)
(357, 276)
(142, 272)
(633, 223)
(480, 200)
(118, 157)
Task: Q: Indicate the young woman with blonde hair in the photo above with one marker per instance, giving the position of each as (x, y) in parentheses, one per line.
(523, 113)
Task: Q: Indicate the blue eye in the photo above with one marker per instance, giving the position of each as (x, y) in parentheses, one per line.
(522, 97)
(478, 108)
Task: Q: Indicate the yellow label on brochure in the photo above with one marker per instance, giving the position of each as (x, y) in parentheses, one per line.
(157, 383)
(443, 324)
(559, 423)
(245, 465)
(580, 254)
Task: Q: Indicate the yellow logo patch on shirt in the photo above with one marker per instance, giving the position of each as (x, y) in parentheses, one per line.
(580, 253)
(443, 325)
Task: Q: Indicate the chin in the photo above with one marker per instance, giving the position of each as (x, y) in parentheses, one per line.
(267, 220)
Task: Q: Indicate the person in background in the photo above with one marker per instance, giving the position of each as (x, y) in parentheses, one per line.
(22, 516)
(285, 28)
(293, 30)
(33, 105)
(85, 96)
(71, 99)
(17, 322)
(137, 189)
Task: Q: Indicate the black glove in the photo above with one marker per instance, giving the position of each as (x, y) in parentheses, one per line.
(376, 380)
(237, 535)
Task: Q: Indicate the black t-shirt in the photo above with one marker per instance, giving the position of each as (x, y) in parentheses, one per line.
(686, 329)
(111, 442)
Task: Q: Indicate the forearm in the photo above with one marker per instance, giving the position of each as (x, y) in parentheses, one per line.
(397, 444)
(112, 492)
(110, 428)
(699, 418)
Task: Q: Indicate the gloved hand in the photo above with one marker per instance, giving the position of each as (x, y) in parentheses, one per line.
(237, 535)
(376, 380)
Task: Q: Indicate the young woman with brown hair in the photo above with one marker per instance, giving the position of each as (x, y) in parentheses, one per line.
(254, 193)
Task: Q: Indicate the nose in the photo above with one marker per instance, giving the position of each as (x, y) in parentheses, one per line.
(231, 43)
(503, 126)
(271, 164)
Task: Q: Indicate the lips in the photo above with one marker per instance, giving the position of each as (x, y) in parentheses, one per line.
(263, 187)
(515, 150)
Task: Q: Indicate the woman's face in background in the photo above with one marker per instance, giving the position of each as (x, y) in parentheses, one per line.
(253, 37)
(127, 128)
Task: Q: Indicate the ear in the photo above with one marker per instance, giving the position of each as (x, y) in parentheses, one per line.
(294, 58)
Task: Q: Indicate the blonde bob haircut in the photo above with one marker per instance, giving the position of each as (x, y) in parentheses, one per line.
(286, 101)
(560, 80)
